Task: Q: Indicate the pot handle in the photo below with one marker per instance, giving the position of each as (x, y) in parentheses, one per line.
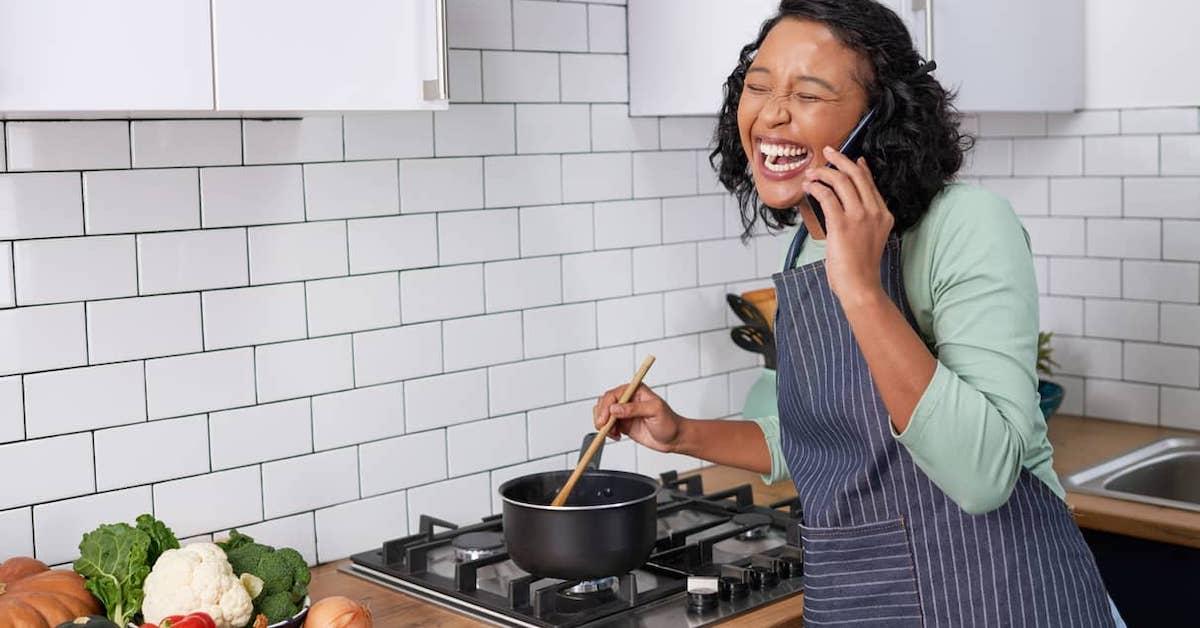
(594, 463)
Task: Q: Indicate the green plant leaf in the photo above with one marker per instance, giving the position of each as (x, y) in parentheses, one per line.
(112, 559)
(161, 537)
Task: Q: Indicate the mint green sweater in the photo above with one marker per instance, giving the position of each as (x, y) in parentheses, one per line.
(968, 272)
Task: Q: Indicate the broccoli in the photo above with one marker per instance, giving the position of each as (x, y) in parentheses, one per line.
(284, 573)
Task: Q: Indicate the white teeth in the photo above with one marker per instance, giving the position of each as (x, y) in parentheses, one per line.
(773, 151)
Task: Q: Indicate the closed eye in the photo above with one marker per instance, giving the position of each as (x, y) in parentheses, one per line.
(757, 89)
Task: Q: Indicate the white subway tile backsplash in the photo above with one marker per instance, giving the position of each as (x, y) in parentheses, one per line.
(253, 195)
(398, 463)
(303, 367)
(74, 269)
(146, 327)
(1124, 238)
(559, 329)
(122, 201)
(1172, 120)
(1050, 156)
(1122, 401)
(1083, 123)
(606, 29)
(553, 128)
(670, 173)
(1029, 196)
(590, 373)
(472, 500)
(73, 474)
(719, 354)
(121, 458)
(677, 359)
(613, 129)
(479, 23)
(428, 185)
(445, 399)
(539, 25)
(466, 77)
(1011, 124)
(249, 316)
(989, 157)
(652, 463)
(521, 284)
(525, 385)
(702, 398)
(666, 267)
(188, 503)
(1181, 154)
(484, 445)
(358, 416)
(502, 475)
(40, 205)
(315, 138)
(1162, 198)
(309, 482)
(1088, 357)
(8, 296)
(198, 383)
(59, 402)
(41, 338)
(192, 260)
(352, 303)
(594, 78)
(1178, 408)
(1162, 364)
(159, 143)
(628, 223)
(632, 319)
(552, 229)
(397, 134)
(440, 293)
(389, 355)
(1179, 240)
(771, 250)
(300, 251)
(1089, 196)
(474, 130)
(478, 236)
(687, 132)
(1112, 156)
(1181, 324)
(1129, 320)
(295, 532)
(1161, 281)
(482, 340)
(620, 456)
(351, 189)
(561, 428)
(58, 526)
(740, 383)
(392, 243)
(522, 180)
(1085, 277)
(1062, 315)
(697, 309)
(726, 261)
(511, 77)
(693, 218)
(345, 529)
(597, 176)
(68, 145)
(599, 275)
(260, 433)
(12, 410)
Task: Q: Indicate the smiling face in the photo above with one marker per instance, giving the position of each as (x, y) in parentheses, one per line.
(802, 93)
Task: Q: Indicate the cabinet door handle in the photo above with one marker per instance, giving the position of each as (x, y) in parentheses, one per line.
(439, 88)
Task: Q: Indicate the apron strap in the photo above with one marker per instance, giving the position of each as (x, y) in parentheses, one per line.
(794, 249)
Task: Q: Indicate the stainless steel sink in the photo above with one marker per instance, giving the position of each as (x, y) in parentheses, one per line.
(1165, 472)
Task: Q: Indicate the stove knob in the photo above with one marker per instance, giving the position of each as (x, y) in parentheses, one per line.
(700, 600)
(763, 577)
(790, 566)
(733, 587)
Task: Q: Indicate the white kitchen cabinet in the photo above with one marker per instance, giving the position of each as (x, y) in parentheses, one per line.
(117, 55)
(1015, 55)
(316, 55)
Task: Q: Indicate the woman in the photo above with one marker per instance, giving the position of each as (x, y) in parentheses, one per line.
(907, 332)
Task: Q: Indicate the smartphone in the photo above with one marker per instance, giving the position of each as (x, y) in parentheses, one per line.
(852, 149)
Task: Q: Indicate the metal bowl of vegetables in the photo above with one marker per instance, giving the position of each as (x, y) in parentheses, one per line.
(297, 620)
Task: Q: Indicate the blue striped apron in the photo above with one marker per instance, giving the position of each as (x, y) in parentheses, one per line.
(883, 545)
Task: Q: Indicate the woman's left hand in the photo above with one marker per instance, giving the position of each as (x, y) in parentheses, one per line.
(858, 225)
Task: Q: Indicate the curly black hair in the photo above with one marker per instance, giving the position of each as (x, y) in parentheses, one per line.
(914, 146)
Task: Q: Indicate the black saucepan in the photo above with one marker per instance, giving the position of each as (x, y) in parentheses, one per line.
(607, 528)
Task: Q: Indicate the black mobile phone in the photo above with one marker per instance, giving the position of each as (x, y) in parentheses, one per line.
(852, 149)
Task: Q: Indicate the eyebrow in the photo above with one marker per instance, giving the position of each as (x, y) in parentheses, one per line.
(800, 77)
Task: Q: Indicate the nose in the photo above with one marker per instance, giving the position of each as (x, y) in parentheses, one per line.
(775, 112)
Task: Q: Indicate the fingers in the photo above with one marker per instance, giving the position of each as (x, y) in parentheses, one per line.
(866, 169)
(637, 409)
(834, 214)
(600, 410)
(845, 188)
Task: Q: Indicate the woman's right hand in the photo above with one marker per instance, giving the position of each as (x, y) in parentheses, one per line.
(647, 419)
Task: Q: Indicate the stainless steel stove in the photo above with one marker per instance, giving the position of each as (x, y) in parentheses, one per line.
(717, 556)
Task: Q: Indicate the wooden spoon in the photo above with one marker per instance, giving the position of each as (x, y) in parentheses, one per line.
(597, 442)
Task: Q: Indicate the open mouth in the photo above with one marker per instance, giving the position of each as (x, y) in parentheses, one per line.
(782, 157)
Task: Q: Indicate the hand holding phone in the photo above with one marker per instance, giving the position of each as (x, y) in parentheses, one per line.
(852, 149)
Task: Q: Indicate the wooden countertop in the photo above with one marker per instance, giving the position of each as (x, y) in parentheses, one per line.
(1078, 443)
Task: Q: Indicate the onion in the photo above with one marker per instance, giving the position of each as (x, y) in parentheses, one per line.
(338, 612)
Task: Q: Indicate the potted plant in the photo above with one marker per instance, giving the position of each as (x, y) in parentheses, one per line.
(1050, 392)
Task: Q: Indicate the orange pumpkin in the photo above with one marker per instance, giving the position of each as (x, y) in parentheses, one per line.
(34, 596)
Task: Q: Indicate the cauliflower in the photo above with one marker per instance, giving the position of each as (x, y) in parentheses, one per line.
(196, 577)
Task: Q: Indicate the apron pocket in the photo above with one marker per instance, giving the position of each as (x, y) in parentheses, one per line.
(860, 575)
